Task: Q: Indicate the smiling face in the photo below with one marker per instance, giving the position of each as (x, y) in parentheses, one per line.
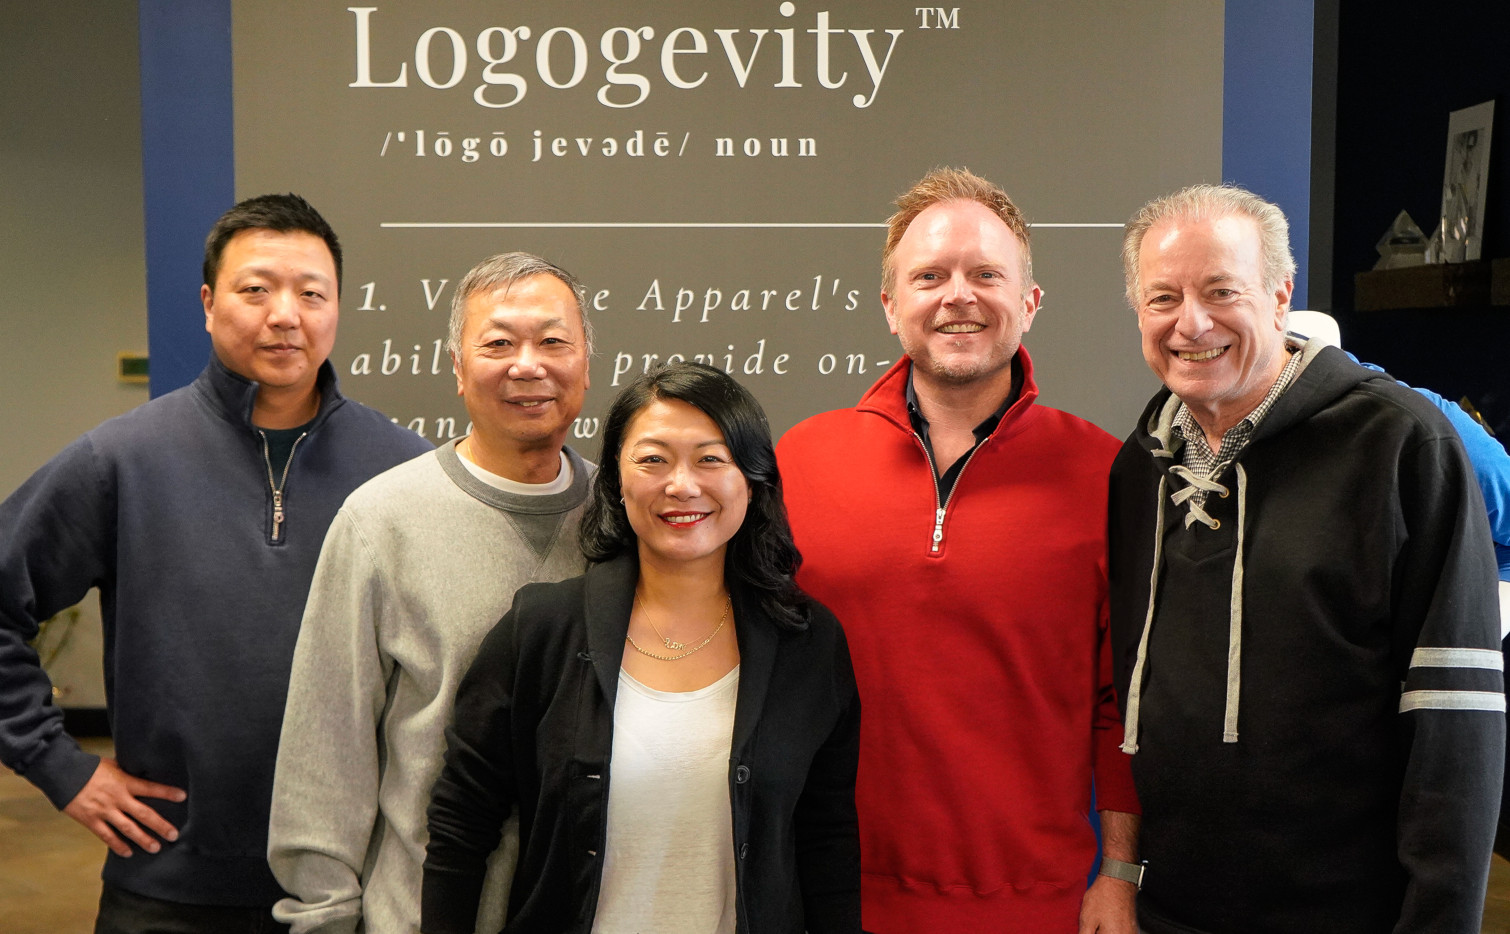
(1211, 331)
(960, 300)
(684, 495)
(521, 369)
(272, 314)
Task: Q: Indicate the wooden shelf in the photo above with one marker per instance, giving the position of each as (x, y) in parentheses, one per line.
(1499, 282)
(1455, 285)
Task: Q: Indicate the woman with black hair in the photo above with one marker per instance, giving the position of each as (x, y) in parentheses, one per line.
(677, 729)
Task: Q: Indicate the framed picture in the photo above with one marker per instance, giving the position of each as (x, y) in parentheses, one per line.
(1463, 183)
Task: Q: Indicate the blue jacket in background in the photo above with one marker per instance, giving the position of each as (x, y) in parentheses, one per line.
(1491, 465)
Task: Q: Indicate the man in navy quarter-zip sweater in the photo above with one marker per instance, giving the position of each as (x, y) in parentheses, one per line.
(199, 516)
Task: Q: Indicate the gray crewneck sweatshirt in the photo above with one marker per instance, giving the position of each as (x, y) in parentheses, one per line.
(419, 565)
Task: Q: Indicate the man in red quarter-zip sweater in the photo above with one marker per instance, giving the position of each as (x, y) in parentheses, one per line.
(958, 531)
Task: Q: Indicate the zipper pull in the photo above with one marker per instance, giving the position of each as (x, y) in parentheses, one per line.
(278, 514)
(938, 529)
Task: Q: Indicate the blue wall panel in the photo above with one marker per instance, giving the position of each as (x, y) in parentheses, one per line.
(188, 171)
(1266, 112)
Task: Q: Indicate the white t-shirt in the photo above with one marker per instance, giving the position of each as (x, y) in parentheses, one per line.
(669, 863)
(559, 485)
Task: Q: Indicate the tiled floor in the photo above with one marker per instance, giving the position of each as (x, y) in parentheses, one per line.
(50, 866)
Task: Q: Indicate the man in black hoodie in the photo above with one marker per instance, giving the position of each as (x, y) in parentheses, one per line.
(1304, 609)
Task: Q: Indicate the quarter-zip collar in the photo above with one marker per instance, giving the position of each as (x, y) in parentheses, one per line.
(232, 395)
(888, 397)
(948, 473)
(981, 431)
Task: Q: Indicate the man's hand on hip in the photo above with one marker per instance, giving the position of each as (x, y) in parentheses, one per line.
(108, 805)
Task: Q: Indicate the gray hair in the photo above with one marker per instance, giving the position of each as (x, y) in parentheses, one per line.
(1208, 202)
(504, 270)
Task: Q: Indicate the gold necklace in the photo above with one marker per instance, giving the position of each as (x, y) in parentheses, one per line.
(672, 645)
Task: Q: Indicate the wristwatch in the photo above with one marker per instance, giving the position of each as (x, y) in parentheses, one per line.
(1127, 872)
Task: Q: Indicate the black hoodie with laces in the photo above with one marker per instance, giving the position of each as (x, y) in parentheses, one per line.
(1311, 681)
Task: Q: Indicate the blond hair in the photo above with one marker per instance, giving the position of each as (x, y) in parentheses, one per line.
(947, 183)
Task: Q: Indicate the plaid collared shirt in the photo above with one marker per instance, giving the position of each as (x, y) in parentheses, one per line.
(1197, 455)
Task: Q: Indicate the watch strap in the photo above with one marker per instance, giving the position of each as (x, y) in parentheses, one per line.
(1127, 872)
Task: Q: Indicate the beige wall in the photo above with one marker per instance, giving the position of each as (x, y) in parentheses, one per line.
(73, 263)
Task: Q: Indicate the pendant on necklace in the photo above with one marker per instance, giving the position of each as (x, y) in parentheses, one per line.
(673, 646)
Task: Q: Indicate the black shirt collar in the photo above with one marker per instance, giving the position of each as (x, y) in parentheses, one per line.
(981, 431)
(947, 474)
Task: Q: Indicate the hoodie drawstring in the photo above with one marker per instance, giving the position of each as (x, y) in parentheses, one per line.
(1235, 607)
(1135, 690)
(1235, 616)
(1182, 497)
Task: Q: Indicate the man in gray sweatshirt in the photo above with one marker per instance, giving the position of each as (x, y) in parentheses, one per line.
(419, 565)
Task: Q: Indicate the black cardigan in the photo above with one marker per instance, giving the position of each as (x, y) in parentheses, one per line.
(534, 730)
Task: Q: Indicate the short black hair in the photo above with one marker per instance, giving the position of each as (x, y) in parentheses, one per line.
(281, 213)
(762, 554)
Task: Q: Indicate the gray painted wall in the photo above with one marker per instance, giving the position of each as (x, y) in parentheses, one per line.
(73, 263)
(1062, 104)
(70, 161)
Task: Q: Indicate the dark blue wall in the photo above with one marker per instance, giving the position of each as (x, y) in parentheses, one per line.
(1401, 69)
(1266, 113)
(188, 171)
